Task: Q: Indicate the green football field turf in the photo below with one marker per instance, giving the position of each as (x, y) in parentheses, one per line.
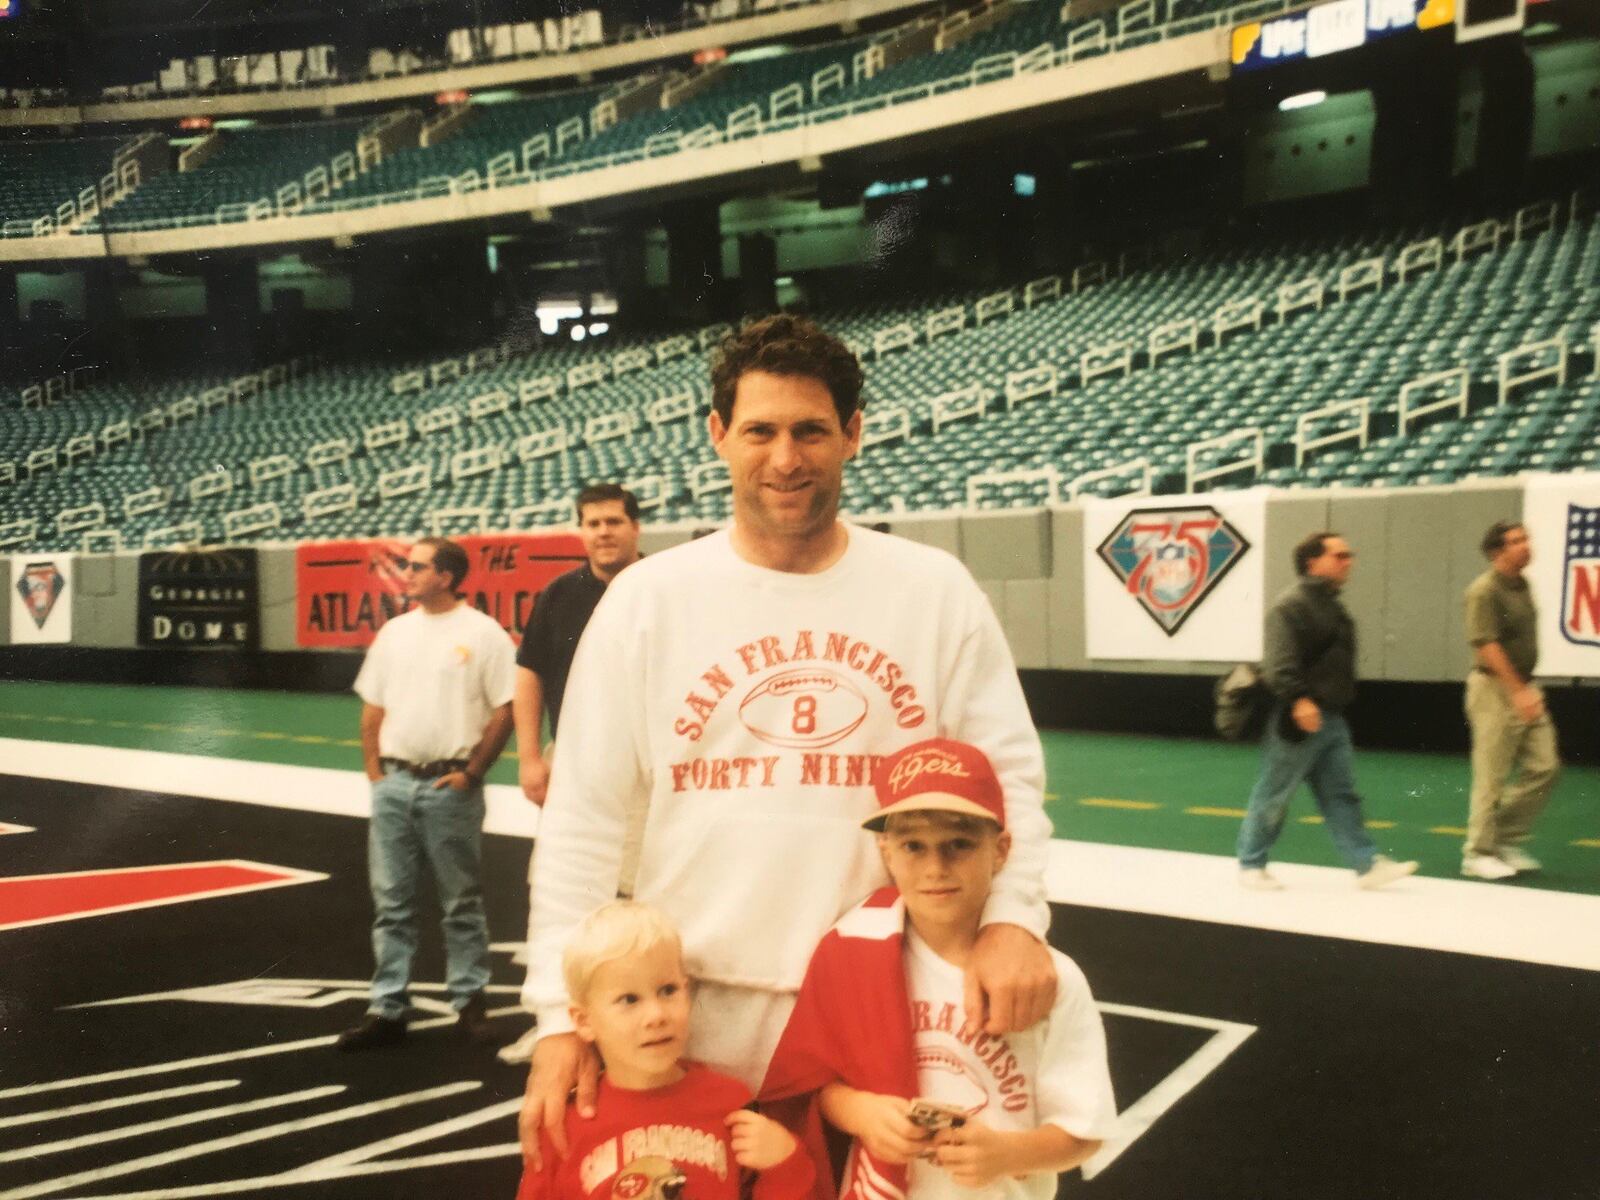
(1160, 793)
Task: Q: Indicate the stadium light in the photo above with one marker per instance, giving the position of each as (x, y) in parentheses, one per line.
(1301, 100)
(579, 333)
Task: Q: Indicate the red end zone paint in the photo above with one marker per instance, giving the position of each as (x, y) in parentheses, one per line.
(42, 899)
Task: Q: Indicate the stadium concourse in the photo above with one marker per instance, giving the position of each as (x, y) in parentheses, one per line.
(183, 913)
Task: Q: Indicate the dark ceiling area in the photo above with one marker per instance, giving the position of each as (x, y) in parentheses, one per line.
(83, 45)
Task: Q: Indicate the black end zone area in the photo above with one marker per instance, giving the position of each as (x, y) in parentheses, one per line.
(1371, 1071)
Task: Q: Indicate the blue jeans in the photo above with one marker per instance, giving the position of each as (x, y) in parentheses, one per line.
(1324, 759)
(413, 824)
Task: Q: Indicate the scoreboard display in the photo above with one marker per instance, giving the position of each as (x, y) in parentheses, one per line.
(1333, 27)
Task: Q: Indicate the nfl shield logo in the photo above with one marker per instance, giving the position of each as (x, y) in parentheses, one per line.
(39, 586)
(1170, 559)
(1580, 577)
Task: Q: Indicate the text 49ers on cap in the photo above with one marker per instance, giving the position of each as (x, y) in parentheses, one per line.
(940, 775)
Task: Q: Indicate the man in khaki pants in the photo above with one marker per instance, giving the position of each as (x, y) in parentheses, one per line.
(1510, 727)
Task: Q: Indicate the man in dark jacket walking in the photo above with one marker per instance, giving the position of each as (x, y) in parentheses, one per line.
(1310, 668)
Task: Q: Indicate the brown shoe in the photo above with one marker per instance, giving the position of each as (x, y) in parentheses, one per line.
(473, 1023)
(372, 1033)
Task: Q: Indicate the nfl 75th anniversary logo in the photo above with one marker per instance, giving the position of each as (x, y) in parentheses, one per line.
(1171, 559)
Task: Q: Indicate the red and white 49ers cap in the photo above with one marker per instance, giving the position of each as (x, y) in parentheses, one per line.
(938, 775)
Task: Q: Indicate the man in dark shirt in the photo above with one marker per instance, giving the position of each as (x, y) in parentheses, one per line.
(608, 525)
(1310, 669)
(1511, 730)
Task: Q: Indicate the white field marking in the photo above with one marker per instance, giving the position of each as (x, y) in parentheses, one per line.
(263, 1182)
(325, 1168)
(78, 1110)
(276, 785)
(122, 1133)
(1135, 1120)
(5, 829)
(1457, 916)
(280, 993)
(1461, 916)
(233, 1141)
(189, 1064)
(288, 877)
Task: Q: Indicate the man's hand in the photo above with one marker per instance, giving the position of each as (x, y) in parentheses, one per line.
(456, 781)
(759, 1143)
(1306, 715)
(1528, 703)
(561, 1062)
(881, 1123)
(533, 773)
(976, 1155)
(1010, 980)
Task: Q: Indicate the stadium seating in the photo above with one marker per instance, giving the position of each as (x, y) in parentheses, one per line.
(251, 165)
(37, 175)
(987, 384)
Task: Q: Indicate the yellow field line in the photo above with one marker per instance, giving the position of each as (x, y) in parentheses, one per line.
(1206, 811)
(1449, 830)
(1589, 843)
(1107, 802)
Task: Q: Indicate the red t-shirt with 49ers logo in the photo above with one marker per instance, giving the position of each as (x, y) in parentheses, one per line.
(669, 1143)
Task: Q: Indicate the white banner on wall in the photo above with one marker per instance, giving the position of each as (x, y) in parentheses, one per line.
(1175, 578)
(41, 598)
(1562, 513)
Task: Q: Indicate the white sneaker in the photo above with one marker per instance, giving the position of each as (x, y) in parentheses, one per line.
(521, 1050)
(1486, 866)
(1257, 880)
(1384, 871)
(1519, 860)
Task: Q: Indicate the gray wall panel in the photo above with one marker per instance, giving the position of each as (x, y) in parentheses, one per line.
(1361, 518)
(94, 574)
(1289, 519)
(277, 590)
(943, 532)
(996, 591)
(1007, 545)
(5, 600)
(653, 541)
(1417, 594)
(1027, 622)
(1066, 630)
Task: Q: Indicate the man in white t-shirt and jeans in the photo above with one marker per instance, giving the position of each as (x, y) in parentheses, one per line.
(436, 686)
(742, 689)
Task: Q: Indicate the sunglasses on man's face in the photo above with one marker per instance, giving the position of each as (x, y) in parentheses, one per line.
(416, 566)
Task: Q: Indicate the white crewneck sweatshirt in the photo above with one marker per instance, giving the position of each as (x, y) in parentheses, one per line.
(746, 707)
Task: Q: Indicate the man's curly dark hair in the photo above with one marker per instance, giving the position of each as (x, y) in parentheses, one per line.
(784, 344)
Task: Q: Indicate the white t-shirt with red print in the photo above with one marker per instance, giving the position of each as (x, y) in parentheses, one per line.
(1052, 1074)
(747, 707)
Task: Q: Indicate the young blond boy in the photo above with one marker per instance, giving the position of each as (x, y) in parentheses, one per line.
(1027, 1106)
(662, 1126)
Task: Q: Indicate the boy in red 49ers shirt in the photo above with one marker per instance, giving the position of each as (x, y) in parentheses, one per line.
(663, 1129)
(879, 1020)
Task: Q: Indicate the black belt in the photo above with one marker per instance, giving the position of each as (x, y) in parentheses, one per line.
(426, 770)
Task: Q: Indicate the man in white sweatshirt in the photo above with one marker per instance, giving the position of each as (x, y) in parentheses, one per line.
(743, 687)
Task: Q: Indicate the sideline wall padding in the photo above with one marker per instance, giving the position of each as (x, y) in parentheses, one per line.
(278, 608)
(107, 614)
(941, 531)
(1007, 545)
(5, 600)
(1027, 621)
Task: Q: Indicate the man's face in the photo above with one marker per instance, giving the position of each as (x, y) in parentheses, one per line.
(423, 580)
(610, 539)
(637, 1012)
(942, 869)
(786, 451)
(1334, 563)
(1516, 551)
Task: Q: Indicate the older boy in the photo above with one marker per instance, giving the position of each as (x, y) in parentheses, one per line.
(661, 1125)
(880, 1015)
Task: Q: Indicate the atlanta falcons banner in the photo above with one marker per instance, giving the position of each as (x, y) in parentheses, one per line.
(1174, 578)
(1562, 513)
(41, 598)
